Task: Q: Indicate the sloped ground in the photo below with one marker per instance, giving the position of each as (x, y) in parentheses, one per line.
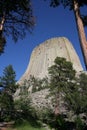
(9, 126)
(6, 125)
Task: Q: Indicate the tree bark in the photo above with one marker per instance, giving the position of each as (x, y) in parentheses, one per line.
(56, 111)
(81, 31)
(2, 39)
(2, 24)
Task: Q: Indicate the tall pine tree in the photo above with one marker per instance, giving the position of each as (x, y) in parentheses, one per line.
(61, 76)
(9, 86)
(16, 17)
(81, 20)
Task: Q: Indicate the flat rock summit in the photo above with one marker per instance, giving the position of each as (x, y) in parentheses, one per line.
(44, 54)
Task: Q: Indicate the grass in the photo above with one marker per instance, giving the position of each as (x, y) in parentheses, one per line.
(26, 126)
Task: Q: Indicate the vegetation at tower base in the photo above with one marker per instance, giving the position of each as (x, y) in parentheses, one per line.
(9, 86)
(16, 18)
(81, 20)
(64, 85)
(24, 110)
(76, 98)
(62, 76)
(77, 95)
(68, 92)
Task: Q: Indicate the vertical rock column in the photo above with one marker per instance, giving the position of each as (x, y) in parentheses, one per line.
(43, 56)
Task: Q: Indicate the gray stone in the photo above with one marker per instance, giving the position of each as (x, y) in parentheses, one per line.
(43, 56)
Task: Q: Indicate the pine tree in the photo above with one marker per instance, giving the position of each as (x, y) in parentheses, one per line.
(76, 97)
(9, 86)
(61, 76)
(81, 20)
(16, 17)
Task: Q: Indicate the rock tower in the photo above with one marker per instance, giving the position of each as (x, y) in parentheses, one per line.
(42, 57)
(44, 54)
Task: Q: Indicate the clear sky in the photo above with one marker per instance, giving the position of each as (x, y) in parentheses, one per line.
(50, 22)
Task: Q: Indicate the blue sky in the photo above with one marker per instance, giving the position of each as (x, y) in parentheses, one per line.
(50, 22)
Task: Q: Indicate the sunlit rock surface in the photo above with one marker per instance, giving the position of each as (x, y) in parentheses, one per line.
(42, 57)
(44, 54)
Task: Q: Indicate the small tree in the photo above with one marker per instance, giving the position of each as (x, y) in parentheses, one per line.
(76, 97)
(76, 101)
(64, 85)
(34, 84)
(23, 105)
(61, 76)
(9, 86)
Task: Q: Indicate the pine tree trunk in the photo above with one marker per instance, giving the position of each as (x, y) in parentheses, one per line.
(2, 39)
(56, 111)
(81, 32)
(2, 24)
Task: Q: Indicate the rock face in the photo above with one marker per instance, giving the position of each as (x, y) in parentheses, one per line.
(41, 95)
(40, 101)
(42, 57)
(44, 54)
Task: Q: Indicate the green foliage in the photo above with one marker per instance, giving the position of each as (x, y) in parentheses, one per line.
(33, 85)
(84, 19)
(70, 4)
(24, 109)
(8, 84)
(79, 123)
(63, 83)
(27, 126)
(61, 76)
(2, 44)
(83, 82)
(24, 103)
(7, 106)
(45, 115)
(25, 112)
(73, 100)
(60, 123)
(65, 3)
(76, 98)
(55, 3)
(8, 81)
(6, 101)
(81, 19)
(39, 84)
(16, 18)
